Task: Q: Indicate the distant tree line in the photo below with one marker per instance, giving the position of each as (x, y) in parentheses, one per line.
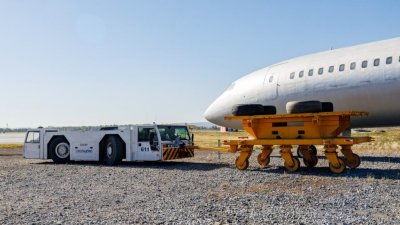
(205, 128)
(5, 130)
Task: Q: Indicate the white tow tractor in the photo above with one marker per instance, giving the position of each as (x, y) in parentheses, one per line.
(111, 144)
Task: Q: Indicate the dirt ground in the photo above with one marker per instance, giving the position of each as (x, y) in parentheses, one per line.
(206, 189)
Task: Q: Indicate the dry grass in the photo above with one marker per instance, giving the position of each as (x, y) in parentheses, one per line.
(210, 138)
(10, 146)
(387, 140)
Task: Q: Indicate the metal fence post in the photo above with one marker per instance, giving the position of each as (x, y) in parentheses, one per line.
(219, 153)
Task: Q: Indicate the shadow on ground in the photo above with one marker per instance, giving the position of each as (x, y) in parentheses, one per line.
(366, 158)
(376, 173)
(164, 165)
(380, 159)
(360, 172)
(10, 154)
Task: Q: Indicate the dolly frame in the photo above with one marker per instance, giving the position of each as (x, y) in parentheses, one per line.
(308, 129)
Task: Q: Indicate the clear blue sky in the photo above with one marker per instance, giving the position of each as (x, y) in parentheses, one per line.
(122, 62)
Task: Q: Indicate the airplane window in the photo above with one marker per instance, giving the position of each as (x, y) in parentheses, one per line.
(310, 72)
(389, 60)
(292, 75)
(331, 68)
(320, 71)
(364, 64)
(376, 62)
(301, 74)
(341, 67)
(352, 65)
(271, 78)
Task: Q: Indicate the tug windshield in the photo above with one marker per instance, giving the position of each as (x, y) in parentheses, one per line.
(170, 133)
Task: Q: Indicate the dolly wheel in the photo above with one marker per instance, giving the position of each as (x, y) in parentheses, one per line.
(295, 167)
(242, 166)
(311, 163)
(312, 149)
(340, 169)
(263, 162)
(354, 163)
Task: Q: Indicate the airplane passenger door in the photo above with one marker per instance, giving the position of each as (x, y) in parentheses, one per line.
(270, 86)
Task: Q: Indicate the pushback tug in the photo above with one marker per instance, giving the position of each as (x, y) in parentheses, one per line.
(111, 144)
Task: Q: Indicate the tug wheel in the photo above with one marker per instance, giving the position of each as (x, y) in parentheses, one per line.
(113, 151)
(340, 169)
(263, 162)
(312, 162)
(59, 150)
(295, 167)
(242, 166)
(355, 163)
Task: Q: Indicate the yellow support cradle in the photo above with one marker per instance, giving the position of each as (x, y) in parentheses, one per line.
(304, 130)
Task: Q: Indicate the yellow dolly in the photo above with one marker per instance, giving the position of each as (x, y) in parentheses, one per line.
(304, 130)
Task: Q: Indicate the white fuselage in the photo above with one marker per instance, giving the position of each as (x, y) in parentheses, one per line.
(373, 88)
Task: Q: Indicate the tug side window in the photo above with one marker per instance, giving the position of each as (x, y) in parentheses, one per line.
(33, 137)
(148, 135)
(145, 134)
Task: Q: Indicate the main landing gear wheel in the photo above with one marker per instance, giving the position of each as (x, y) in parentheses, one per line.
(263, 162)
(312, 149)
(242, 166)
(340, 169)
(295, 167)
(311, 163)
(354, 163)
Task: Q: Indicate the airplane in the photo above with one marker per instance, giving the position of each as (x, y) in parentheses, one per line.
(358, 78)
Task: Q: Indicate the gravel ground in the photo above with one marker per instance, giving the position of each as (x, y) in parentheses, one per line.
(201, 190)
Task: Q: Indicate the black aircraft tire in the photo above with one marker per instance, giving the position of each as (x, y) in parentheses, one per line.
(247, 110)
(327, 106)
(303, 107)
(269, 110)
